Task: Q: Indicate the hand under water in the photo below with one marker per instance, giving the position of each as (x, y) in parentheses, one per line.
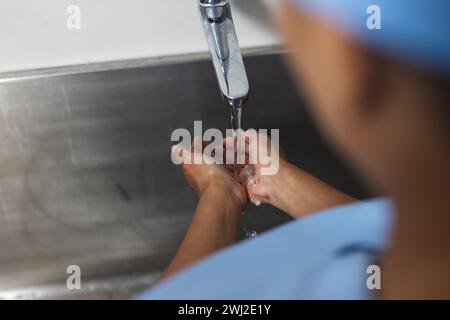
(260, 188)
(203, 176)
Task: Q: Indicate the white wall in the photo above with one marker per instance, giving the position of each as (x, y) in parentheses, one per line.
(33, 33)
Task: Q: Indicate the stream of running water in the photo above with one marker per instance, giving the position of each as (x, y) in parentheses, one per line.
(236, 126)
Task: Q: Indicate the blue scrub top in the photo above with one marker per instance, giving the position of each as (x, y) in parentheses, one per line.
(322, 256)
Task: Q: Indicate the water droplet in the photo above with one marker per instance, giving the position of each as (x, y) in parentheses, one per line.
(251, 234)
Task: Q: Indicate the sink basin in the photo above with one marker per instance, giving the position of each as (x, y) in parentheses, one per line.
(86, 177)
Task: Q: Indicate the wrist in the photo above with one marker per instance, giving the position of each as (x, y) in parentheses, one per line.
(226, 193)
(275, 184)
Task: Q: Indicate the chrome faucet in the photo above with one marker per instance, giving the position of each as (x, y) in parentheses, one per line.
(225, 52)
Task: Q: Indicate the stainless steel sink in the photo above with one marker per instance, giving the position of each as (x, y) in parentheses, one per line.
(86, 177)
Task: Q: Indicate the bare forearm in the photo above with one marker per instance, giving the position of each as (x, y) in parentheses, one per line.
(213, 227)
(299, 193)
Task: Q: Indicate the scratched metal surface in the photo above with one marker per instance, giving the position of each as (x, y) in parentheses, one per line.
(86, 176)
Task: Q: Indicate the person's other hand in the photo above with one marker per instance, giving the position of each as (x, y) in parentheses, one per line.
(204, 176)
(260, 188)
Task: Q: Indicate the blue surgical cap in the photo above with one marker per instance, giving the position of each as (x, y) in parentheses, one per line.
(417, 31)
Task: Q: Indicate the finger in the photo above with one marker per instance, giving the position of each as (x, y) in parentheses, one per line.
(255, 194)
(205, 143)
(229, 150)
(197, 145)
(184, 155)
(228, 142)
(177, 150)
(250, 138)
(219, 151)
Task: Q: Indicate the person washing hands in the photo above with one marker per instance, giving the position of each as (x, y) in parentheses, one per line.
(223, 198)
(382, 98)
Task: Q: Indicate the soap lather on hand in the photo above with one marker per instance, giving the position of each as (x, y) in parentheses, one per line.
(249, 174)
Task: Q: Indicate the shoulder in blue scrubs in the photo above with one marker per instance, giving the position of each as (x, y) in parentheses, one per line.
(322, 256)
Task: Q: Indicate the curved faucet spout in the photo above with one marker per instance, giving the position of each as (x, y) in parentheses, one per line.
(225, 51)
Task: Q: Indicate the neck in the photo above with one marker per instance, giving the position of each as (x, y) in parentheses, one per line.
(417, 263)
